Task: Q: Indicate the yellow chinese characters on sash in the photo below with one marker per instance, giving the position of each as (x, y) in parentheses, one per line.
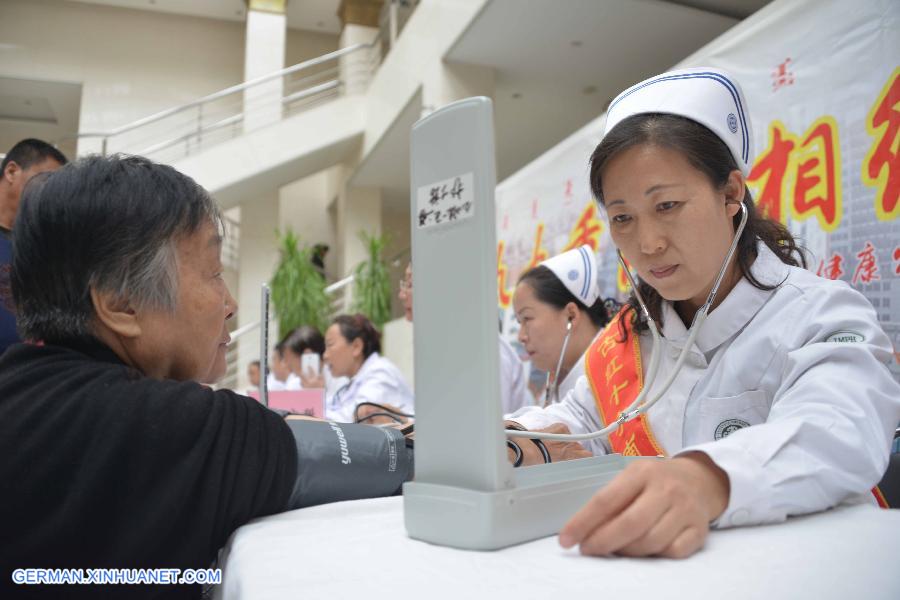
(614, 371)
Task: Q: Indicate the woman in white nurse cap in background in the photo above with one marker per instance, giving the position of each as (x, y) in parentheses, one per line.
(560, 311)
(770, 413)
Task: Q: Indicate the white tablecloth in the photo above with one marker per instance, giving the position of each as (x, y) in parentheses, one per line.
(360, 550)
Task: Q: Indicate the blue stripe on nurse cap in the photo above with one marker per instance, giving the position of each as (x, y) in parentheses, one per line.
(708, 96)
(577, 270)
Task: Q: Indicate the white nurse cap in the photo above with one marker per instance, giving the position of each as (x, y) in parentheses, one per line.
(577, 270)
(708, 96)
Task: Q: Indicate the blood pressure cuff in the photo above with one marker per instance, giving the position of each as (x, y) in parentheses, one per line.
(346, 461)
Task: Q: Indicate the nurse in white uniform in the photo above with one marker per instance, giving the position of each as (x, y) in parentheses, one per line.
(784, 403)
(352, 346)
(560, 312)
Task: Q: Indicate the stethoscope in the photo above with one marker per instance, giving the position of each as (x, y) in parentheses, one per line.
(553, 387)
(639, 406)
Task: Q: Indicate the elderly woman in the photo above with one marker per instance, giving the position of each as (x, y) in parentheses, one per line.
(116, 455)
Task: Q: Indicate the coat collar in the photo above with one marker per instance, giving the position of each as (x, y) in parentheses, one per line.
(736, 310)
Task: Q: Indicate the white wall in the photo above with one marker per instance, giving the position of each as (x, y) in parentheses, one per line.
(395, 223)
(131, 63)
(397, 346)
(429, 33)
(304, 208)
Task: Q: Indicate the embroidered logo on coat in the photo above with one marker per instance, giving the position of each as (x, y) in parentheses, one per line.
(728, 427)
(846, 337)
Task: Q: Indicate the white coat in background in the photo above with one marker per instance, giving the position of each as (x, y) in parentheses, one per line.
(378, 380)
(274, 385)
(514, 394)
(787, 390)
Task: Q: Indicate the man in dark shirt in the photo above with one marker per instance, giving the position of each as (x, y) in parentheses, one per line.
(113, 455)
(25, 160)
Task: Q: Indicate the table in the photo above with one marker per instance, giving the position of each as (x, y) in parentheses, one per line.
(360, 550)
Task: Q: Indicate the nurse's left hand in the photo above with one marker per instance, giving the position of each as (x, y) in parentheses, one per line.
(652, 508)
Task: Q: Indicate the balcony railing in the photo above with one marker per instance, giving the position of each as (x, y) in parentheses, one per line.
(189, 128)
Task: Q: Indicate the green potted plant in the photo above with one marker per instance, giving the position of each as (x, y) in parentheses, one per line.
(372, 282)
(297, 288)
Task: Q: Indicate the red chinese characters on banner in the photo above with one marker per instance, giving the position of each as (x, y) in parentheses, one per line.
(817, 190)
(781, 76)
(832, 269)
(587, 229)
(896, 258)
(770, 169)
(538, 253)
(805, 170)
(504, 296)
(881, 167)
(867, 267)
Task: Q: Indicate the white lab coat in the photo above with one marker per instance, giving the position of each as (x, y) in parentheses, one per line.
(332, 384)
(514, 394)
(378, 380)
(818, 416)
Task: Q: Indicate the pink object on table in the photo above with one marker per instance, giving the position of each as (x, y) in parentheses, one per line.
(302, 402)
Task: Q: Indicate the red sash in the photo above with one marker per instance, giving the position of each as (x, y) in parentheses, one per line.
(613, 369)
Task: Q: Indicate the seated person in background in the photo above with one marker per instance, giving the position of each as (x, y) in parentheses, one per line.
(514, 392)
(560, 312)
(280, 377)
(115, 455)
(253, 374)
(352, 346)
(303, 341)
(771, 413)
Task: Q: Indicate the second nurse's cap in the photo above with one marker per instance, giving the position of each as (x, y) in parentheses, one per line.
(708, 96)
(577, 270)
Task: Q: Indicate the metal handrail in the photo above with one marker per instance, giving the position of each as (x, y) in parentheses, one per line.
(227, 91)
(244, 330)
(337, 285)
(241, 331)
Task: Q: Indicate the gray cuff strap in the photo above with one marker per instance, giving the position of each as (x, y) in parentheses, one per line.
(346, 461)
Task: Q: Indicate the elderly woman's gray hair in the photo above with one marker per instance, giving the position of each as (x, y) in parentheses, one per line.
(107, 223)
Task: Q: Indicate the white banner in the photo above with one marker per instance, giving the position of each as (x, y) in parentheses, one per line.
(822, 80)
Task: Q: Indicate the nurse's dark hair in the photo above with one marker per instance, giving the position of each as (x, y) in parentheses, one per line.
(104, 223)
(550, 290)
(358, 326)
(706, 152)
(303, 338)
